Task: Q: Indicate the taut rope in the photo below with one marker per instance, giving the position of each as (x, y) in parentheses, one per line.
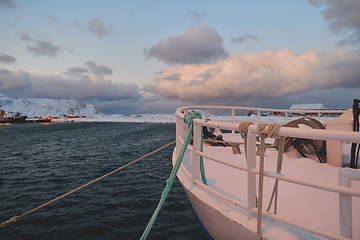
(278, 170)
(15, 218)
(188, 119)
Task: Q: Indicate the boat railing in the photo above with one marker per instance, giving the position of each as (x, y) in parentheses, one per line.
(258, 112)
(343, 188)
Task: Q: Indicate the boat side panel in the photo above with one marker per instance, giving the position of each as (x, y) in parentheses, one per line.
(217, 225)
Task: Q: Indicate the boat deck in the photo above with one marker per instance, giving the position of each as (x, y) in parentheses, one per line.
(302, 204)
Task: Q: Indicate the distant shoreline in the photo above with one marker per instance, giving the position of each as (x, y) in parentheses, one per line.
(170, 118)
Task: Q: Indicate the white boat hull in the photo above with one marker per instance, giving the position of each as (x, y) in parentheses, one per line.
(216, 224)
(315, 200)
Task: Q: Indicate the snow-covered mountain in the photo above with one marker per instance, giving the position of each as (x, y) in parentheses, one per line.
(42, 107)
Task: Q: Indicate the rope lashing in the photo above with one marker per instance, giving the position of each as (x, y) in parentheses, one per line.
(264, 131)
(15, 218)
(243, 129)
(188, 119)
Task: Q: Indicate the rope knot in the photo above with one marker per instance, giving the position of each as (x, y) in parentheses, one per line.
(243, 128)
(266, 130)
(188, 118)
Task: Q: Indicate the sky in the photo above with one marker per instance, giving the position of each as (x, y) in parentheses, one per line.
(153, 56)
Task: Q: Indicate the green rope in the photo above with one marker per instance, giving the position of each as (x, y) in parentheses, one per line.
(169, 182)
(188, 119)
(202, 168)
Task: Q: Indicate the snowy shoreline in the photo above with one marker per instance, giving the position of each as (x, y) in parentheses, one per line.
(147, 118)
(170, 118)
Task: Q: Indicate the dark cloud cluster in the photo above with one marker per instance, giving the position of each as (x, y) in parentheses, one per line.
(8, 59)
(343, 17)
(40, 47)
(197, 45)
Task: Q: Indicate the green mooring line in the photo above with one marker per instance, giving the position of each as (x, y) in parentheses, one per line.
(169, 182)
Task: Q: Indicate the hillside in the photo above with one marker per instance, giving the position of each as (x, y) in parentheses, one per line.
(42, 107)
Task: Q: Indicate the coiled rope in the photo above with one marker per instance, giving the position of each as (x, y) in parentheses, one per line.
(15, 218)
(188, 119)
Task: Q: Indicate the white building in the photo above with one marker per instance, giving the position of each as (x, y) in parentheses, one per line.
(307, 106)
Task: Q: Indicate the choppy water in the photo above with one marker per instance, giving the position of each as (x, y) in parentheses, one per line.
(42, 161)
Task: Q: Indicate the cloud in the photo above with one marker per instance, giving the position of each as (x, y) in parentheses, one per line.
(14, 81)
(25, 36)
(99, 70)
(86, 84)
(15, 21)
(197, 45)
(261, 75)
(8, 4)
(43, 48)
(173, 77)
(91, 68)
(244, 38)
(82, 84)
(4, 58)
(54, 20)
(97, 27)
(40, 47)
(195, 15)
(342, 17)
(75, 71)
(146, 104)
(78, 83)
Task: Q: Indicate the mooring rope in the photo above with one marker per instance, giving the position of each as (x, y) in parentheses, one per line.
(15, 218)
(169, 182)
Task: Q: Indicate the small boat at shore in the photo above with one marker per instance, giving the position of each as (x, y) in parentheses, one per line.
(11, 119)
(253, 177)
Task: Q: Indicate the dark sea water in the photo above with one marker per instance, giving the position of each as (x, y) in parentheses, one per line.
(40, 162)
